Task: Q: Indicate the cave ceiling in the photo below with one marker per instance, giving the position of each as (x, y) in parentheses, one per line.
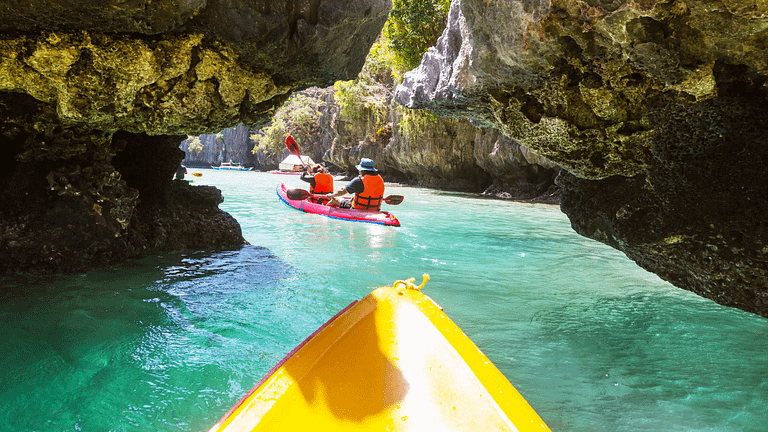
(176, 67)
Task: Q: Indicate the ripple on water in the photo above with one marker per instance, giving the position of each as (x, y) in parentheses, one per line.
(593, 342)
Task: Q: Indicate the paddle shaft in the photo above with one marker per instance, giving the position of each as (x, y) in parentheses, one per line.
(302, 194)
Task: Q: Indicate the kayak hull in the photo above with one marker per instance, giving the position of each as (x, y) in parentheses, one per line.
(391, 362)
(374, 217)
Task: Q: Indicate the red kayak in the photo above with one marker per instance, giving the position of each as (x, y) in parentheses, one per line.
(309, 206)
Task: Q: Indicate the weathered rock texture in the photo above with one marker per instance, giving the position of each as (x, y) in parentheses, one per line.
(82, 83)
(431, 151)
(408, 147)
(657, 110)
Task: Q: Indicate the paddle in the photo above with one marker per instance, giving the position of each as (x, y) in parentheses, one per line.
(301, 194)
(393, 199)
(293, 147)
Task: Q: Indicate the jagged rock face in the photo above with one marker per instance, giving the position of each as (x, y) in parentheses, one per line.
(454, 154)
(92, 223)
(436, 152)
(76, 75)
(656, 109)
(169, 68)
(299, 42)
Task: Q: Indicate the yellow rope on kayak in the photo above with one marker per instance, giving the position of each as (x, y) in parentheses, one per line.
(409, 283)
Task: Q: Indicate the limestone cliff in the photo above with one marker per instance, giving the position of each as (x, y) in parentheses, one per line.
(408, 147)
(656, 110)
(92, 93)
(229, 145)
(437, 152)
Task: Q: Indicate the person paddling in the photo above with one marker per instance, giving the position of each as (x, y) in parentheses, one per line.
(368, 189)
(180, 171)
(320, 182)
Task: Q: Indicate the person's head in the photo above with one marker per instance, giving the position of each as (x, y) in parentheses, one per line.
(318, 169)
(366, 165)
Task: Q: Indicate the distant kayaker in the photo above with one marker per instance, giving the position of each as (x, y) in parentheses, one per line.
(180, 171)
(368, 189)
(320, 182)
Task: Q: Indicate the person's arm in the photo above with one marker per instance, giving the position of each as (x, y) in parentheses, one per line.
(307, 178)
(339, 192)
(355, 186)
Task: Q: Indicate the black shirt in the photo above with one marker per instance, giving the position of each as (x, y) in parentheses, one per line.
(308, 178)
(356, 186)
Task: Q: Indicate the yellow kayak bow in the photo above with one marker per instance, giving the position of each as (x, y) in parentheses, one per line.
(391, 362)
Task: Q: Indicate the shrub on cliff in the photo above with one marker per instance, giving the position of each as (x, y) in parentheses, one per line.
(369, 94)
(298, 116)
(195, 145)
(412, 27)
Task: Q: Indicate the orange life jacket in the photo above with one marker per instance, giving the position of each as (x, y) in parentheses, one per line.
(372, 195)
(323, 184)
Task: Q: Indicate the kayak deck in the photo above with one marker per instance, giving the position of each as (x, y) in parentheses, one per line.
(391, 362)
(307, 206)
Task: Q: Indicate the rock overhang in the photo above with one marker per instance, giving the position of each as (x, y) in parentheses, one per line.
(82, 83)
(648, 106)
(167, 67)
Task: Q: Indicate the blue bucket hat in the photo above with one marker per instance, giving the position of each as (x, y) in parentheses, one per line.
(366, 165)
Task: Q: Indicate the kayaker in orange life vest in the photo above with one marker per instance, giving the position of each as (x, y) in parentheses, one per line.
(320, 182)
(368, 189)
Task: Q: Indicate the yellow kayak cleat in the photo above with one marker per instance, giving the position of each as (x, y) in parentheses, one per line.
(392, 361)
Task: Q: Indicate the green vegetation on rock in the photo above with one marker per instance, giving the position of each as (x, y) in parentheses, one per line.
(414, 26)
(371, 92)
(415, 123)
(299, 116)
(195, 145)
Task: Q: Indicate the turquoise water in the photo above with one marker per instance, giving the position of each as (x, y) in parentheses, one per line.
(593, 342)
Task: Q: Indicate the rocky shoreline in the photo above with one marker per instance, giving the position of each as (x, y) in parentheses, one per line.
(72, 232)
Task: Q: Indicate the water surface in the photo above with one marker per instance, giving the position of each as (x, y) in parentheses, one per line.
(592, 341)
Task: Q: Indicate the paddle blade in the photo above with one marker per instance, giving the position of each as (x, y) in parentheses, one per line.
(393, 199)
(297, 194)
(293, 147)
